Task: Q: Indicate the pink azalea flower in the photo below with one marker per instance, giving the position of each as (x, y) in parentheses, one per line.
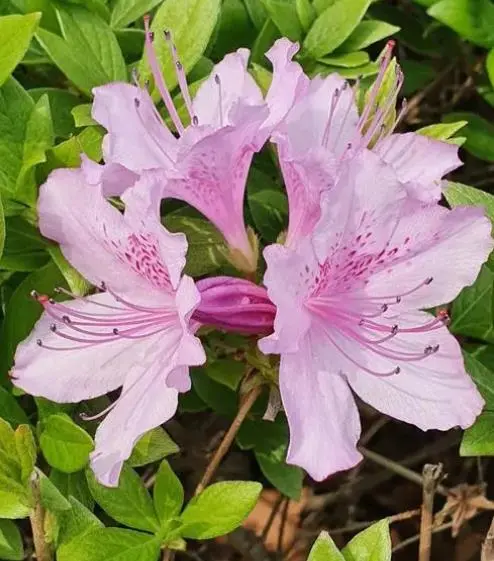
(323, 129)
(205, 164)
(348, 314)
(134, 334)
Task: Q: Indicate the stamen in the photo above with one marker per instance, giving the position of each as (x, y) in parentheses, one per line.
(332, 109)
(220, 95)
(159, 78)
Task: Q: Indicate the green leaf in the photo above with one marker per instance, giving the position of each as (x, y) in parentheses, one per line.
(51, 498)
(124, 12)
(373, 544)
(460, 194)
(65, 445)
(348, 60)
(12, 412)
(111, 544)
(442, 131)
(68, 153)
(206, 249)
(478, 440)
(26, 451)
(151, 447)
(219, 509)
(22, 311)
(324, 549)
(191, 22)
(489, 65)
(11, 548)
(257, 12)
(333, 26)
(73, 485)
(77, 283)
(61, 104)
(306, 13)
(472, 19)
(369, 69)
(82, 115)
(220, 398)
(367, 33)
(479, 134)
(25, 249)
(267, 36)
(88, 54)
(129, 503)
(482, 375)
(286, 478)
(226, 371)
(77, 521)
(285, 17)
(168, 493)
(16, 32)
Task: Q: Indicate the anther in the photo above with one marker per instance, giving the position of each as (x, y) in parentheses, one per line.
(39, 342)
(34, 295)
(179, 66)
(102, 285)
(428, 280)
(217, 79)
(167, 34)
(384, 308)
(66, 319)
(53, 327)
(394, 329)
(115, 331)
(151, 36)
(195, 120)
(51, 301)
(398, 299)
(397, 370)
(137, 102)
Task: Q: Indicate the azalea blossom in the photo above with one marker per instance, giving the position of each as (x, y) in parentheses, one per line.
(206, 163)
(135, 333)
(349, 300)
(323, 129)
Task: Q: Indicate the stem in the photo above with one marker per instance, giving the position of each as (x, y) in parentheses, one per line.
(227, 441)
(488, 547)
(431, 476)
(37, 517)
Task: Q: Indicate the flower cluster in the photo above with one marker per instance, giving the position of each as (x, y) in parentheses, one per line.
(368, 248)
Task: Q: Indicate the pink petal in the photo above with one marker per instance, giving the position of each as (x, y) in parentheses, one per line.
(432, 393)
(74, 375)
(215, 103)
(146, 403)
(106, 246)
(447, 247)
(137, 137)
(322, 415)
(420, 162)
(114, 179)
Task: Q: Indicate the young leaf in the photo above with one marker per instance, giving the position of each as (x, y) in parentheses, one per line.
(348, 60)
(73, 485)
(333, 26)
(257, 12)
(285, 17)
(219, 509)
(478, 132)
(88, 54)
(76, 522)
(65, 445)
(61, 104)
(191, 22)
(324, 549)
(373, 544)
(442, 131)
(51, 498)
(111, 544)
(11, 548)
(129, 503)
(286, 478)
(26, 451)
(306, 13)
(16, 32)
(366, 33)
(168, 493)
(124, 12)
(459, 194)
(151, 447)
(478, 440)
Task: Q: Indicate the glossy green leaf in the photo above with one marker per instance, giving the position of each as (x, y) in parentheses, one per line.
(284, 15)
(257, 12)
(324, 549)
(16, 32)
(61, 104)
(77, 521)
(111, 544)
(369, 69)
(367, 33)
(230, 501)
(129, 503)
(459, 194)
(306, 13)
(234, 29)
(51, 498)
(333, 26)
(73, 485)
(478, 440)
(206, 249)
(77, 283)
(442, 131)
(68, 153)
(88, 54)
(168, 493)
(25, 248)
(348, 60)
(479, 134)
(2, 228)
(10, 409)
(482, 374)
(191, 22)
(151, 447)
(65, 445)
(82, 115)
(286, 478)
(472, 19)
(26, 451)
(11, 548)
(124, 12)
(219, 397)
(373, 544)
(226, 371)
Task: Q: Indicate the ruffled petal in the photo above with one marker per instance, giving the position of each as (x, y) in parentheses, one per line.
(434, 392)
(322, 414)
(137, 137)
(112, 179)
(420, 162)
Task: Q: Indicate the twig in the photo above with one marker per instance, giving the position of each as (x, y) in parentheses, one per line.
(271, 518)
(361, 525)
(399, 469)
(488, 546)
(227, 441)
(284, 517)
(37, 517)
(431, 476)
(416, 538)
(168, 555)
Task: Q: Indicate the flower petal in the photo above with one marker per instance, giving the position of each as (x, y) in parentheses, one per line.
(420, 162)
(64, 375)
(322, 414)
(432, 393)
(113, 179)
(215, 103)
(137, 137)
